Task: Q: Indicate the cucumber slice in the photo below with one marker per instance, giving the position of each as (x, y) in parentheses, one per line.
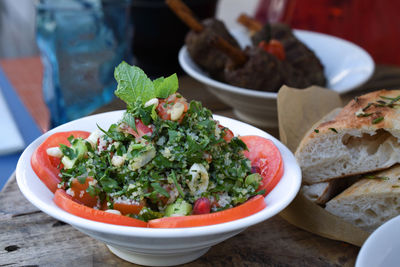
(80, 149)
(179, 208)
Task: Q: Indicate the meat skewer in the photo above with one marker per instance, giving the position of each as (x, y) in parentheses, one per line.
(252, 68)
(298, 55)
(198, 40)
(249, 23)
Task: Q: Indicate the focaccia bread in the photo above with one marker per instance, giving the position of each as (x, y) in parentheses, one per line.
(371, 201)
(320, 193)
(363, 137)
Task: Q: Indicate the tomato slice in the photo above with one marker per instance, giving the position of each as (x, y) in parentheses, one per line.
(128, 208)
(44, 165)
(80, 194)
(264, 155)
(65, 202)
(248, 208)
(274, 47)
(165, 106)
(226, 133)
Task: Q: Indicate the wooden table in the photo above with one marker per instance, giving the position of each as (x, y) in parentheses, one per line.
(30, 237)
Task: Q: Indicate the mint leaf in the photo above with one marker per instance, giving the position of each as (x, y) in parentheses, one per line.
(133, 84)
(135, 89)
(165, 87)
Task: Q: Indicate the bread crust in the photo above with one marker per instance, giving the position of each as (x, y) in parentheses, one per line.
(371, 201)
(372, 119)
(348, 119)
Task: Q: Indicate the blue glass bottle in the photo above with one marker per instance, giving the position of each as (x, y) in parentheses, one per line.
(81, 42)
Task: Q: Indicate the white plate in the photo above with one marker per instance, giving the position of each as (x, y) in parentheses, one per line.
(151, 246)
(382, 248)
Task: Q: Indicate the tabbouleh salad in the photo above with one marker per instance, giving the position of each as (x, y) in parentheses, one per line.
(166, 157)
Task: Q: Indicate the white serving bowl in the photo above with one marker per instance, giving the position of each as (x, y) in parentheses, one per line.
(382, 247)
(149, 246)
(346, 67)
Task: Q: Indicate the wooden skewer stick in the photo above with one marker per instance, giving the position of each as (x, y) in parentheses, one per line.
(185, 14)
(249, 23)
(235, 54)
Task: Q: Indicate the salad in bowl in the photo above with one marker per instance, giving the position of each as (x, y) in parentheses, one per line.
(162, 181)
(165, 163)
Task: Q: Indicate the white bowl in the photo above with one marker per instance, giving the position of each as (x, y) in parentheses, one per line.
(382, 247)
(149, 246)
(346, 67)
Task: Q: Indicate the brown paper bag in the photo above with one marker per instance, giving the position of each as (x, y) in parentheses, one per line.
(298, 110)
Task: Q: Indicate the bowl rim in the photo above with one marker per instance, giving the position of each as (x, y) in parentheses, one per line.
(374, 248)
(201, 76)
(24, 168)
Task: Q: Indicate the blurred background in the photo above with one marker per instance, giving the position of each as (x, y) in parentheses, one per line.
(17, 23)
(81, 41)
(57, 56)
(17, 29)
(368, 23)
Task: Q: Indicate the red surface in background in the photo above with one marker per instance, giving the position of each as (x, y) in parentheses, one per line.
(372, 24)
(25, 75)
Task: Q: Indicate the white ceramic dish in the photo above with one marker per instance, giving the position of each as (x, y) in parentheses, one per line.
(149, 246)
(346, 67)
(382, 247)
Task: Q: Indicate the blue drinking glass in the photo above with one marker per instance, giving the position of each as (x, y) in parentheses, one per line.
(81, 42)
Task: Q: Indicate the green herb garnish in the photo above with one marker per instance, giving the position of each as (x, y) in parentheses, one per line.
(392, 100)
(316, 130)
(333, 130)
(377, 120)
(364, 115)
(367, 107)
(376, 177)
(159, 189)
(108, 184)
(133, 85)
(173, 177)
(82, 179)
(68, 152)
(135, 89)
